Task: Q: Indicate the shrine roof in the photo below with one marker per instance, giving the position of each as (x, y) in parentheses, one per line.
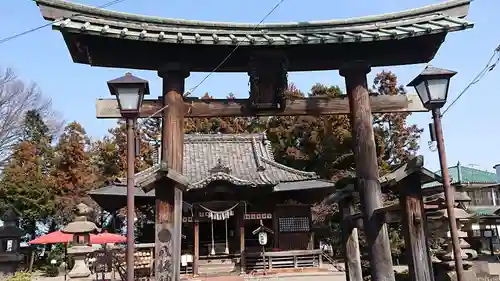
(85, 27)
(240, 159)
(464, 176)
(442, 17)
(483, 210)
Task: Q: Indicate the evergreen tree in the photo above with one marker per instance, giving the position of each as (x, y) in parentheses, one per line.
(25, 183)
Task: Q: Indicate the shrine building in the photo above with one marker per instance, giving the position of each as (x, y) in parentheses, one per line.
(235, 184)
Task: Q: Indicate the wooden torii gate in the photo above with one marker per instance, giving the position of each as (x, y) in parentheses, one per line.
(359, 105)
(267, 52)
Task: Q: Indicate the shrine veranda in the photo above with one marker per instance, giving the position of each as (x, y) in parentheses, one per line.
(216, 185)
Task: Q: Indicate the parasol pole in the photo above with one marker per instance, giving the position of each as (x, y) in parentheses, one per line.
(65, 261)
(106, 259)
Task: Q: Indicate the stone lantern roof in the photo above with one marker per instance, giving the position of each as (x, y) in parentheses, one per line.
(81, 225)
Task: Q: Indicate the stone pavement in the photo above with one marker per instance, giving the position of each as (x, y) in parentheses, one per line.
(320, 276)
(493, 264)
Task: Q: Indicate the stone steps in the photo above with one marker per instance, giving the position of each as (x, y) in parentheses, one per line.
(216, 266)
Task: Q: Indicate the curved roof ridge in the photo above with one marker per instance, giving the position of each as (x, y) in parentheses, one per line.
(257, 154)
(221, 176)
(191, 138)
(454, 8)
(311, 175)
(269, 152)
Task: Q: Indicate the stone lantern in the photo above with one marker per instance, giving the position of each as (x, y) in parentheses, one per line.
(438, 225)
(80, 248)
(10, 240)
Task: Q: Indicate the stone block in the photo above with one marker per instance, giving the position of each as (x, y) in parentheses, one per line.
(452, 276)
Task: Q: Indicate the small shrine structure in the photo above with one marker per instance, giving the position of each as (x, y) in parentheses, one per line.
(267, 53)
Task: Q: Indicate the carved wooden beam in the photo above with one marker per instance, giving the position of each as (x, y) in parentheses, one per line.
(108, 108)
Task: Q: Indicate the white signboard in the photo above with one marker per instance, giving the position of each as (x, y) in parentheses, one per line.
(262, 238)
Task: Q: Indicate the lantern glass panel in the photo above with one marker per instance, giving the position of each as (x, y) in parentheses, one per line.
(422, 92)
(438, 89)
(128, 98)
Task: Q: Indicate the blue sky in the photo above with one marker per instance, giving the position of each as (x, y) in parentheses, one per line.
(469, 126)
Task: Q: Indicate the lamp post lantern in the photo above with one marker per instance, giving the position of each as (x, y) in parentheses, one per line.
(432, 87)
(129, 91)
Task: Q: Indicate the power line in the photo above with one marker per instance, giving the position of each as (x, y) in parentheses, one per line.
(223, 61)
(14, 36)
(488, 68)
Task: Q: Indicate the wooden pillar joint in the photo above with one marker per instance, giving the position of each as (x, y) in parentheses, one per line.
(354, 68)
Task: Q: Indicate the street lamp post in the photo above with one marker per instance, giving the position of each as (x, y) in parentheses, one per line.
(432, 87)
(129, 91)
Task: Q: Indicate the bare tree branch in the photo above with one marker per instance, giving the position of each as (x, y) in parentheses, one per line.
(16, 98)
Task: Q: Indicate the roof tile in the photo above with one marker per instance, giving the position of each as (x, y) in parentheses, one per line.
(462, 175)
(242, 159)
(432, 19)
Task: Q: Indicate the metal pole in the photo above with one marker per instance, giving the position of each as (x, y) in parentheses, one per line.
(449, 194)
(130, 198)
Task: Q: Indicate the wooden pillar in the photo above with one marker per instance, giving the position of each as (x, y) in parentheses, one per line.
(276, 235)
(168, 223)
(365, 158)
(196, 258)
(415, 229)
(242, 243)
(350, 242)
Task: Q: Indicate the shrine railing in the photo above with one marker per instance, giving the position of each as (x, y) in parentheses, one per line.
(284, 260)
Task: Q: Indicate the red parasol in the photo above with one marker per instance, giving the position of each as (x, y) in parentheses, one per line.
(56, 237)
(106, 237)
(52, 238)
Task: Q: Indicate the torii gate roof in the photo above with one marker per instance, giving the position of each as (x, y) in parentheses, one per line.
(106, 38)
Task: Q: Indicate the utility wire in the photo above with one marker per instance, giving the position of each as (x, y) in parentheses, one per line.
(490, 66)
(223, 61)
(14, 36)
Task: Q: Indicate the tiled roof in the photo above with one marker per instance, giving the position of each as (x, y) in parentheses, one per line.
(462, 175)
(439, 18)
(241, 159)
